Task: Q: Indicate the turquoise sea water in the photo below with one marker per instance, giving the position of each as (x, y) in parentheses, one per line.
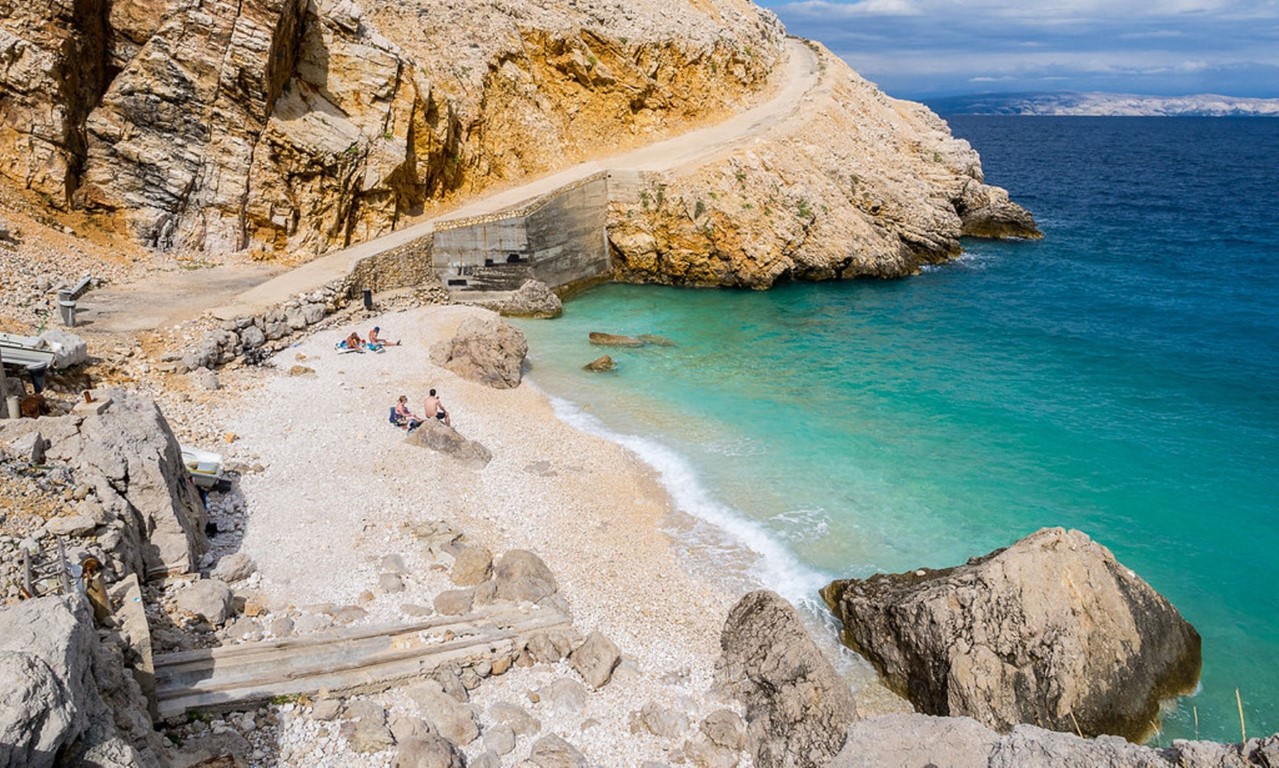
(1118, 377)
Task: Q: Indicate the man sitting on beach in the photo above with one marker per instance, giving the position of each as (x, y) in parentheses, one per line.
(432, 405)
(375, 339)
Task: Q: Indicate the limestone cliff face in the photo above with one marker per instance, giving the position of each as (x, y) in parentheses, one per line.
(859, 184)
(296, 126)
(52, 72)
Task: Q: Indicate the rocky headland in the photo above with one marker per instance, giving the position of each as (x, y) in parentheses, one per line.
(276, 130)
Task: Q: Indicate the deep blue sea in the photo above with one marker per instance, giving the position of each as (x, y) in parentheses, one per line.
(1118, 377)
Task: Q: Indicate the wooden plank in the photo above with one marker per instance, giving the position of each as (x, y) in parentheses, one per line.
(340, 655)
(364, 658)
(364, 679)
(500, 617)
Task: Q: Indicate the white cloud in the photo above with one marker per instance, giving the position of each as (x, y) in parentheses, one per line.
(927, 45)
(833, 9)
(1154, 34)
(1046, 12)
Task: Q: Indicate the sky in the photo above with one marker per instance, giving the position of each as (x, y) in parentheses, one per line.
(925, 48)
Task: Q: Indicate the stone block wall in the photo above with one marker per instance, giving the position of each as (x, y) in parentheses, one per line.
(406, 266)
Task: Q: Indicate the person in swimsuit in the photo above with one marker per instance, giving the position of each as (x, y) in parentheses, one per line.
(433, 405)
(374, 338)
(406, 417)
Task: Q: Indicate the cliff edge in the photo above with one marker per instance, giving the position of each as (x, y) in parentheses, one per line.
(854, 184)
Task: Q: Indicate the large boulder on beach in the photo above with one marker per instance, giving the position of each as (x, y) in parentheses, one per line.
(534, 298)
(131, 459)
(595, 659)
(65, 699)
(208, 599)
(797, 707)
(521, 575)
(441, 438)
(486, 350)
(1052, 631)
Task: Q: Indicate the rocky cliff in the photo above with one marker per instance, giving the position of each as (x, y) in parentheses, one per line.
(287, 128)
(296, 126)
(857, 184)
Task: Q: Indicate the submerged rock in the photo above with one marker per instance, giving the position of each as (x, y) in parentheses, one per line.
(613, 340)
(601, 364)
(1051, 631)
(656, 341)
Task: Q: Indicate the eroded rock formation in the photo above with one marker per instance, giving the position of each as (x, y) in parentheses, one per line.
(861, 185)
(797, 707)
(138, 497)
(296, 126)
(66, 699)
(1052, 631)
(962, 742)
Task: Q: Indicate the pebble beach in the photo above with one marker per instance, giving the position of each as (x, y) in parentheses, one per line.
(334, 491)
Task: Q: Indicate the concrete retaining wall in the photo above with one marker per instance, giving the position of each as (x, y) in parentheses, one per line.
(558, 239)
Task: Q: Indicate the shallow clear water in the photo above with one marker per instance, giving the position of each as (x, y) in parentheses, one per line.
(1118, 377)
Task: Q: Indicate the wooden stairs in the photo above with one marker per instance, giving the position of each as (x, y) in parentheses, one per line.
(358, 659)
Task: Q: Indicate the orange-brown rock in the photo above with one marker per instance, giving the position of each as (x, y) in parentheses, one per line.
(292, 127)
(860, 184)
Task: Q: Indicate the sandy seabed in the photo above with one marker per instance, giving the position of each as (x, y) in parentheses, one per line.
(339, 490)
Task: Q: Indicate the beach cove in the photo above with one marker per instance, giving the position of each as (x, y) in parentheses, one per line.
(335, 489)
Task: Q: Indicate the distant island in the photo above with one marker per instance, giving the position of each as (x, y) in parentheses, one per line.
(1103, 104)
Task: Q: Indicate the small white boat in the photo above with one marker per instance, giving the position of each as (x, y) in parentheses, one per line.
(205, 466)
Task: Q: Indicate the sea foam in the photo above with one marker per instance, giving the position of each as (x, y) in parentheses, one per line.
(777, 568)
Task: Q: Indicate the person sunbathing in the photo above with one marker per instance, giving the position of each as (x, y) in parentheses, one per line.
(374, 338)
(352, 342)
